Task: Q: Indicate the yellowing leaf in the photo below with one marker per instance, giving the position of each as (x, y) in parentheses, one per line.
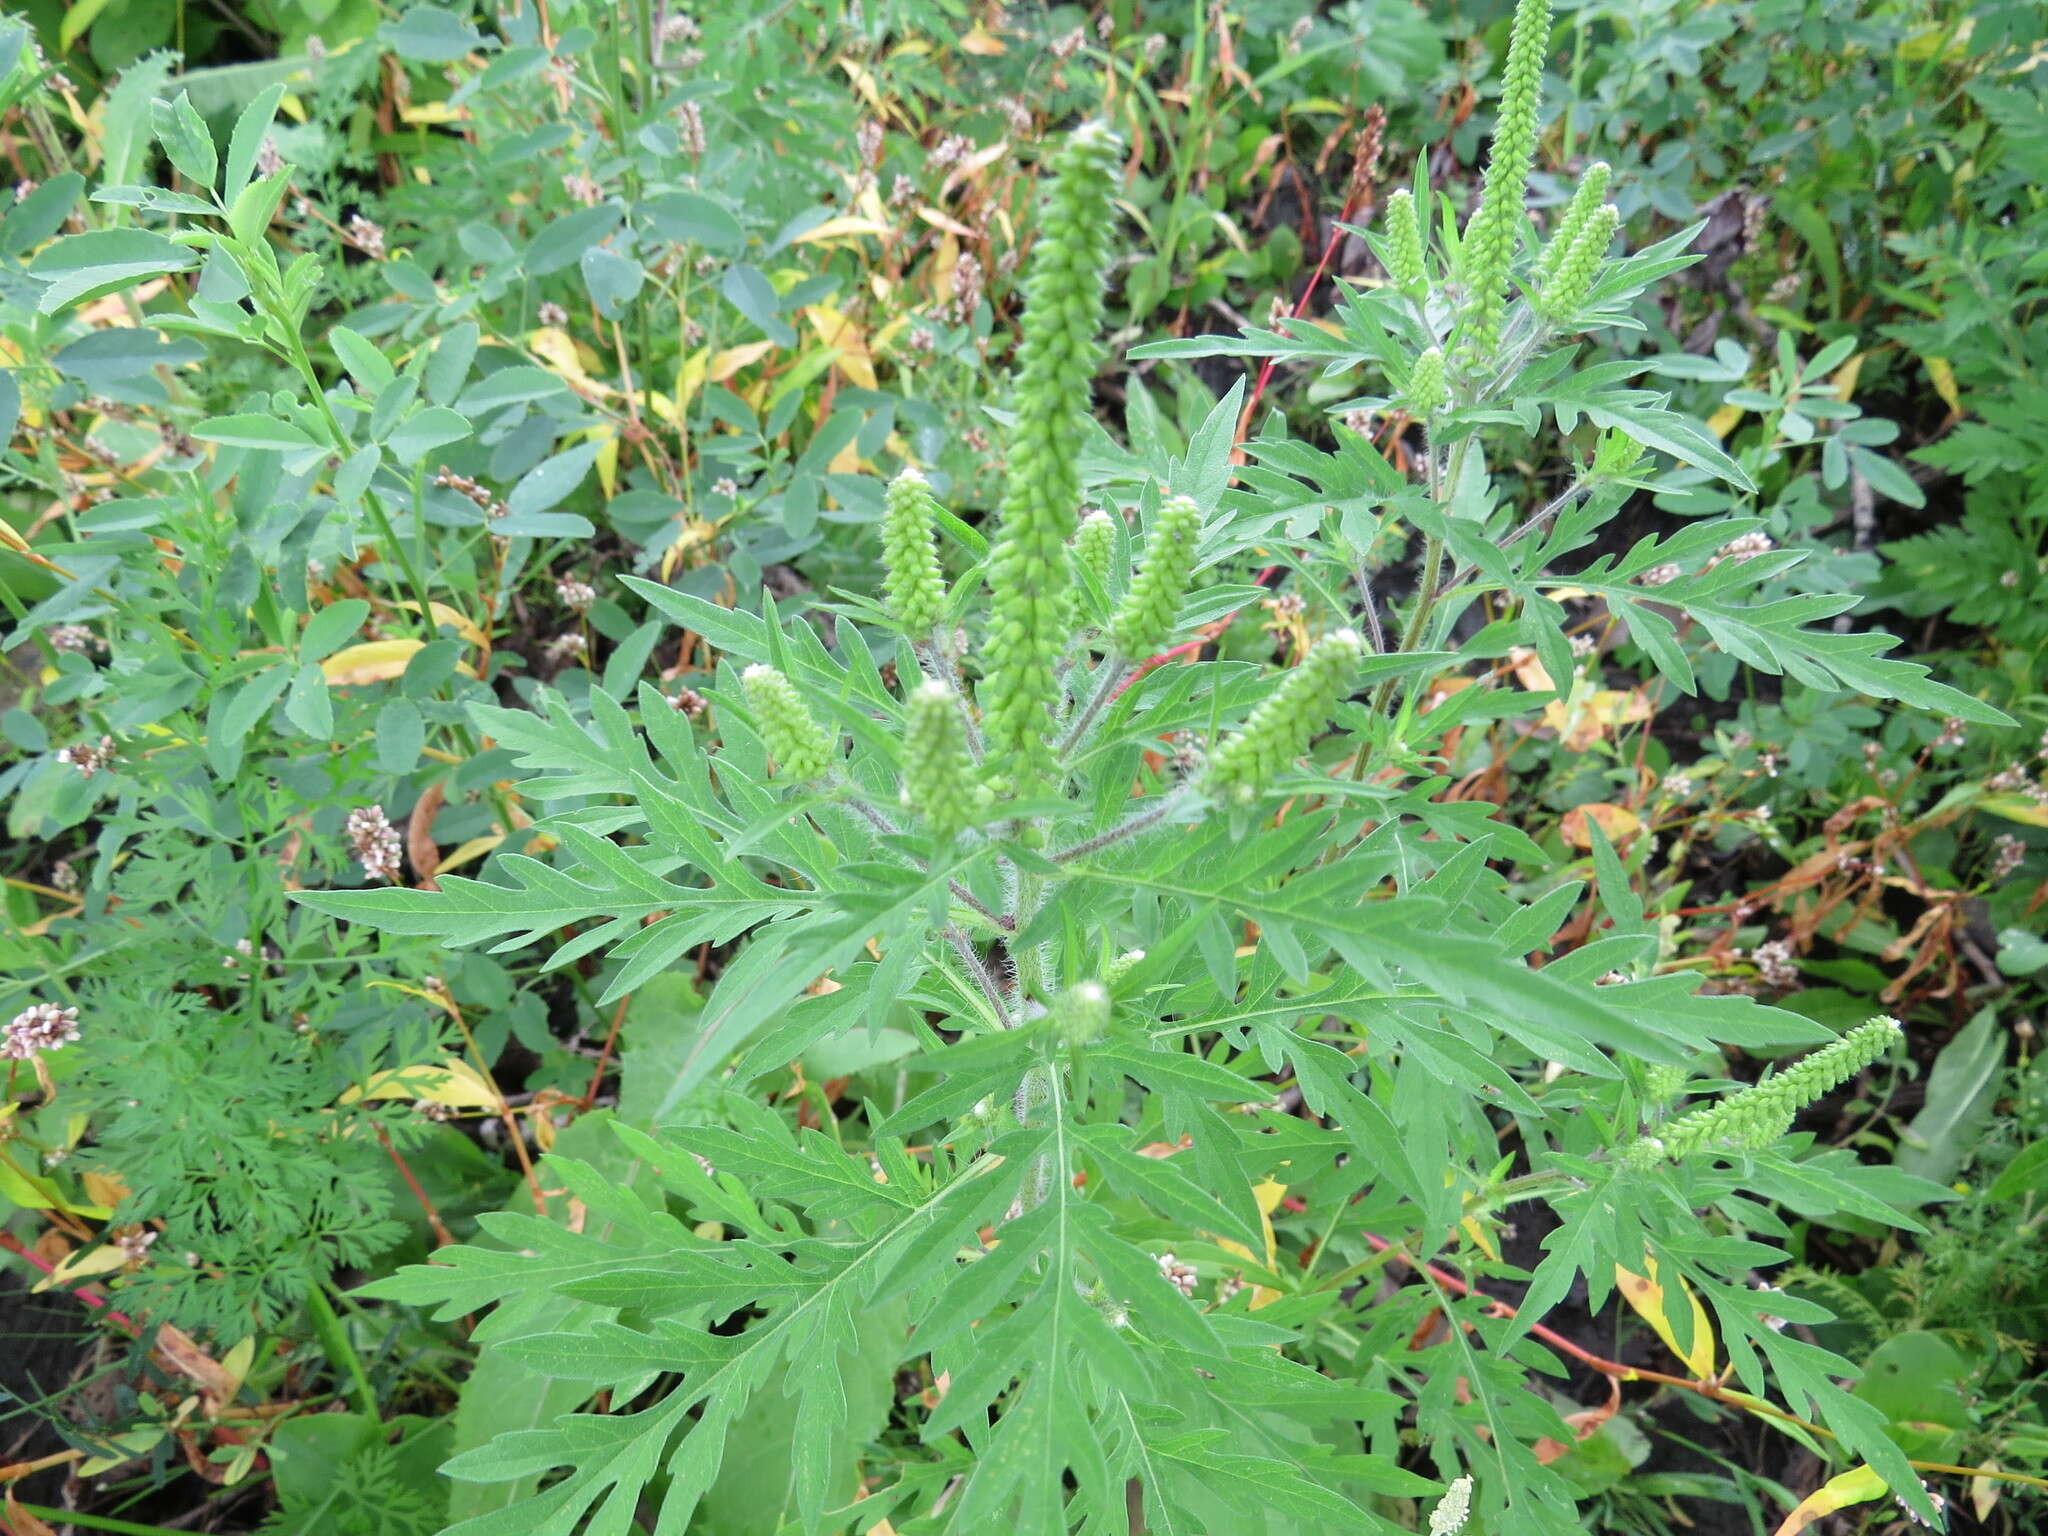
(376, 661)
(452, 1082)
(947, 222)
(864, 83)
(434, 113)
(733, 359)
(236, 1362)
(696, 535)
(849, 345)
(132, 1443)
(1587, 720)
(567, 360)
(1615, 821)
(690, 374)
(104, 1188)
(2015, 807)
(38, 1193)
(844, 227)
(1722, 422)
(454, 618)
(1845, 376)
(1471, 1226)
(1943, 376)
(475, 848)
(1268, 1194)
(83, 1265)
(979, 40)
(1859, 1485)
(1644, 1294)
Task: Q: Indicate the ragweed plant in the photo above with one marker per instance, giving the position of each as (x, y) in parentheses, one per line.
(1111, 894)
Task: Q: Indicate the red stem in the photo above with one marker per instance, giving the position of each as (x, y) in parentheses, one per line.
(85, 1294)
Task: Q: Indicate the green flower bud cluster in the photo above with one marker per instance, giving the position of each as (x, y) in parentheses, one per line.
(1081, 1013)
(1561, 297)
(1280, 729)
(910, 555)
(1094, 543)
(1489, 245)
(939, 781)
(1616, 454)
(1144, 621)
(1587, 199)
(1760, 1115)
(1427, 389)
(1662, 1082)
(798, 746)
(1404, 245)
(1060, 349)
(1122, 966)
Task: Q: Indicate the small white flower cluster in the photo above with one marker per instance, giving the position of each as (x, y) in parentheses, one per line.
(1180, 1276)
(690, 128)
(947, 153)
(88, 759)
(1452, 1510)
(375, 842)
(575, 594)
(1775, 966)
(37, 1028)
(968, 282)
(365, 236)
(2007, 854)
(1748, 547)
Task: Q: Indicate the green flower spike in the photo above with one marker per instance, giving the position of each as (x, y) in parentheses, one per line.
(910, 555)
(1060, 349)
(1561, 297)
(1144, 622)
(939, 782)
(1489, 245)
(1586, 201)
(1280, 729)
(799, 748)
(1760, 1115)
(1121, 966)
(1094, 543)
(1615, 454)
(1426, 388)
(1404, 245)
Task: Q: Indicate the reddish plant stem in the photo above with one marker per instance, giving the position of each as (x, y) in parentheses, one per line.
(442, 1236)
(604, 1056)
(86, 1294)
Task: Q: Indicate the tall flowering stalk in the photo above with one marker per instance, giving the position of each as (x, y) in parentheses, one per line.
(797, 744)
(1279, 730)
(911, 577)
(1029, 624)
(1144, 620)
(1489, 246)
(1762, 1113)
